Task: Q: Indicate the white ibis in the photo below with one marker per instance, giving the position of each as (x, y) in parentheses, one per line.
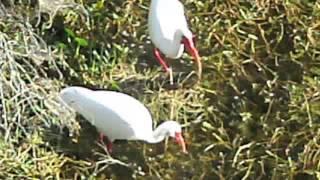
(119, 116)
(169, 32)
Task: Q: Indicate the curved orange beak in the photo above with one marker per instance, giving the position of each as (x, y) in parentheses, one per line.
(180, 141)
(192, 50)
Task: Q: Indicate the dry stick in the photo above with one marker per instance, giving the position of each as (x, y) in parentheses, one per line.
(4, 109)
(308, 110)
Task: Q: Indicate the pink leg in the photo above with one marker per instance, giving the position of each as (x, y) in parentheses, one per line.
(161, 61)
(109, 144)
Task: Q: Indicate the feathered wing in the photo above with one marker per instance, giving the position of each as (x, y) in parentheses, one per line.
(130, 110)
(182, 16)
(117, 115)
(78, 98)
(167, 23)
(99, 113)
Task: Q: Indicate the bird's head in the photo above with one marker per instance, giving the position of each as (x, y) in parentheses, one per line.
(175, 131)
(189, 44)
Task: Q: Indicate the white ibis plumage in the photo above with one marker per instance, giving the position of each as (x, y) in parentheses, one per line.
(169, 32)
(119, 116)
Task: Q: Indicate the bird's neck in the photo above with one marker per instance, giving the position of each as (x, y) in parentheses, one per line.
(161, 132)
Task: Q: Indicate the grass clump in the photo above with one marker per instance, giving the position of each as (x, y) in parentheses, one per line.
(254, 115)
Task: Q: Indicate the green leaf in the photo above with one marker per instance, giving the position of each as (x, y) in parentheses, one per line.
(69, 32)
(62, 45)
(81, 42)
(100, 5)
(115, 86)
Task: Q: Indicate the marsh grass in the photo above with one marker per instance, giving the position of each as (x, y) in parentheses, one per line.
(254, 115)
